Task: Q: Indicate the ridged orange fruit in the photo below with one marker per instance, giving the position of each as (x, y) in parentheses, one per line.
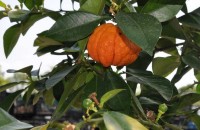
(109, 46)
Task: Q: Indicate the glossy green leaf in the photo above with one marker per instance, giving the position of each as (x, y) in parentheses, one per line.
(57, 77)
(28, 93)
(33, 18)
(163, 66)
(75, 84)
(119, 121)
(37, 97)
(167, 46)
(2, 15)
(49, 49)
(121, 102)
(110, 94)
(160, 84)
(172, 28)
(183, 100)
(7, 102)
(26, 70)
(82, 2)
(10, 38)
(45, 42)
(48, 97)
(65, 29)
(33, 3)
(42, 127)
(67, 104)
(10, 85)
(30, 21)
(195, 118)
(82, 44)
(163, 10)
(191, 19)
(73, 48)
(143, 29)
(185, 9)
(198, 88)
(7, 122)
(18, 15)
(196, 37)
(148, 101)
(197, 74)
(2, 4)
(110, 81)
(91, 6)
(130, 7)
(142, 61)
(192, 59)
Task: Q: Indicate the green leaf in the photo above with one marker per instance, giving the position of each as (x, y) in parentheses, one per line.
(67, 104)
(172, 28)
(82, 44)
(9, 85)
(184, 9)
(2, 4)
(183, 100)
(118, 121)
(7, 122)
(121, 102)
(198, 88)
(110, 81)
(7, 102)
(26, 70)
(195, 118)
(37, 97)
(148, 101)
(71, 86)
(49, 97)
(45, 42)
(73, 48)
(163, 66)
(33, 18)
(192, 59)
(91, 6)
(28, 93)
(130, 7)
(32, 3)
(196, 37)
(197, 74)
(142, 29)
(18, 15)
(163, 10)
(110, 94)
(2, 15)
(42, 127)
(30, 21)
(10, 38)
(65, 29)
(49, 49)
(167, 46)
(191, 19)
(57, 77)
(160, 84)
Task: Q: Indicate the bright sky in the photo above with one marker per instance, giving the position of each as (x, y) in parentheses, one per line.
(23, 53)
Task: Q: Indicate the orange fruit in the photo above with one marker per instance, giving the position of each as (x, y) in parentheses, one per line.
(109, 46)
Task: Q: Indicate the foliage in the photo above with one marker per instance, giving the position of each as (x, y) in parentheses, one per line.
(113, 104)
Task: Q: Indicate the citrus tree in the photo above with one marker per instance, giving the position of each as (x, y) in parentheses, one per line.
(108, 46)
